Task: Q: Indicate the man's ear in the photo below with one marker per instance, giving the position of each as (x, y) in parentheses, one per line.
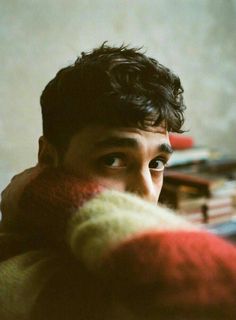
(47, 154)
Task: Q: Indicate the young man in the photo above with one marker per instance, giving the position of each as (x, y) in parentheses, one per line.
(106, 119)
(70, 250)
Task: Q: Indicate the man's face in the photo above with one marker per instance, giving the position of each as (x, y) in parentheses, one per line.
(124, 159)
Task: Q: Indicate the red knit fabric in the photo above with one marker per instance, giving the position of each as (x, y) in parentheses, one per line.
(187, 272)
(50, 199)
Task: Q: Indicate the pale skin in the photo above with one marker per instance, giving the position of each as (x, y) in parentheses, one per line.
(125, 158)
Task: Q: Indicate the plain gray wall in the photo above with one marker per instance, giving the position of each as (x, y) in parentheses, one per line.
(195, 38)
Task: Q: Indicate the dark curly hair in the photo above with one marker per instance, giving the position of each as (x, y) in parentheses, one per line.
(118, 86)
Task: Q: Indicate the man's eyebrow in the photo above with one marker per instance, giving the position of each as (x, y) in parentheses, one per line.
(127, 143)
(165, 147)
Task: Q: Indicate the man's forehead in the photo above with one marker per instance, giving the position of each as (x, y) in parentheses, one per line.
(100, 131)
(99, 137)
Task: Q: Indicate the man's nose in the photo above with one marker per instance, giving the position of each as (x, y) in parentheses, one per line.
(142, 184)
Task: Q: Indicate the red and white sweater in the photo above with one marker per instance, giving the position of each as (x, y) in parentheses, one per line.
(70, 249)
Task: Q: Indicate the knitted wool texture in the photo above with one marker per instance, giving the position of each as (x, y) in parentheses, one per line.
(49, 200)
(153, 264)
(156, 263)
(174, 275)
(112, 217)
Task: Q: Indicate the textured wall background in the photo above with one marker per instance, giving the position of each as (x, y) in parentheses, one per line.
(37, 37)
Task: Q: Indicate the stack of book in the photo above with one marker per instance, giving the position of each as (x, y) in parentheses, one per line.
(201, 189)
(201, 197)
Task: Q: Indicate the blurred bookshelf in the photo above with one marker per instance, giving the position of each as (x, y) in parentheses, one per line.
(200, 185)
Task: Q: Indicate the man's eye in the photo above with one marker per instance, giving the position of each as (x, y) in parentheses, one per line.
(157, 164)
(113, 161)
